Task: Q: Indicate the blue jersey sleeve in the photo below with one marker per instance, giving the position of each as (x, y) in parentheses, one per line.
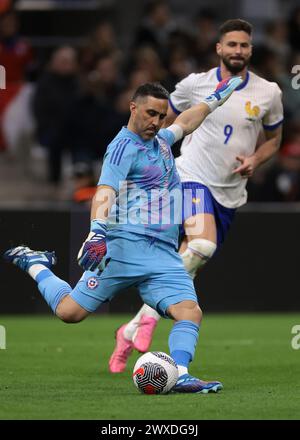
(118, 160)
(167, 135)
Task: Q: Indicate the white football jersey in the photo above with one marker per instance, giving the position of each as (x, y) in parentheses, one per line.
(208, 155)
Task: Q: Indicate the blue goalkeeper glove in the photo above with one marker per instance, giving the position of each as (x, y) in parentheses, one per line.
(93, 249)
(223, 91)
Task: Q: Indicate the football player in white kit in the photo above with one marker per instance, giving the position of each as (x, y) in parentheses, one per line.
(216, 161)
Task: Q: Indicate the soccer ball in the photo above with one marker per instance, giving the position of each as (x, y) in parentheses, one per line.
(155, 372)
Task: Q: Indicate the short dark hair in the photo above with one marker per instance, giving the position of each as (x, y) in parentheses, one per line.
(151, 89)
(235, 24)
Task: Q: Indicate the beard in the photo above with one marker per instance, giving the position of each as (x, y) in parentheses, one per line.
(235, 68)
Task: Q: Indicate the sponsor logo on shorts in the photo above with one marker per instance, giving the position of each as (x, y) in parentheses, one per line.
(92, 283)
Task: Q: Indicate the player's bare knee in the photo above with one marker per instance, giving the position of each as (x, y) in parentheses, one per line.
(64, 314)
(69, 316)
(196, 314)
(186, 310)
(68, 313)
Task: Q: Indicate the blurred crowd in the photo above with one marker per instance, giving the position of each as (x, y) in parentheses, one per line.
(67, 110)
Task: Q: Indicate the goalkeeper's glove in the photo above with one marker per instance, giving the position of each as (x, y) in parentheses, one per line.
(93, 249)
(223, 91)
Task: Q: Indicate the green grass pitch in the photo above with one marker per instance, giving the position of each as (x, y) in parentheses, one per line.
(50, 370)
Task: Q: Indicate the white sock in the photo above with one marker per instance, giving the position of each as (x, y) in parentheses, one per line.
(151, 313)
(35, 269)
(132, 325)
(182, 370)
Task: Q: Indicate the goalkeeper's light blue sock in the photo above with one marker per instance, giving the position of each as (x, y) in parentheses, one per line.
(183, 340)
(52, 288)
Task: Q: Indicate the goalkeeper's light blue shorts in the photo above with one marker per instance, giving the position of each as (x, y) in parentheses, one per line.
(151, 265)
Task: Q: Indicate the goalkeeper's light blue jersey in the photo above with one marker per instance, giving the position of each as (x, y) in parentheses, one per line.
(144, 175)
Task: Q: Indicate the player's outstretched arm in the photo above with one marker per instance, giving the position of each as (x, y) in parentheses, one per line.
(192, 118)
(94, 248)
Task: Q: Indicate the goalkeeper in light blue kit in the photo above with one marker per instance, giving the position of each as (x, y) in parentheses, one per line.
(130, 244)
